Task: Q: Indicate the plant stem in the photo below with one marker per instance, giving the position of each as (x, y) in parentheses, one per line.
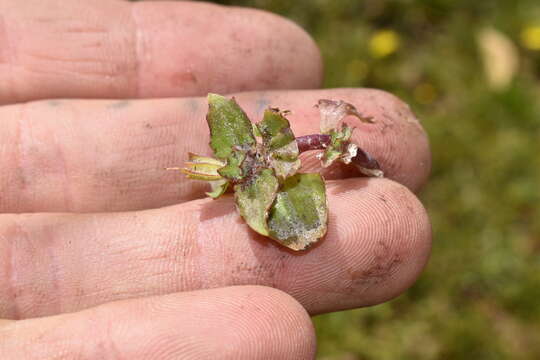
(313, 142)
(320, 141)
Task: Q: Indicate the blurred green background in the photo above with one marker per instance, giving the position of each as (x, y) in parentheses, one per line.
(471, 72)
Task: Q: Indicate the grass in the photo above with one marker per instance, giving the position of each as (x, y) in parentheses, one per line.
(479, 296)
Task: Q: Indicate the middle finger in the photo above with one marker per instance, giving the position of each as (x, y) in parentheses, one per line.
(84, 156)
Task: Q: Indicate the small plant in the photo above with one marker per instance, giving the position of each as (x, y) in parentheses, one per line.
(275, 199)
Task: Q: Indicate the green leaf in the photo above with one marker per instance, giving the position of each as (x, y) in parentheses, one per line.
(339, 141)
(299, 215)
(279, 143)
(329, 156)
(256, 131)
(219, 187)
(229, 126)
(275, 129)
(233, 169)
(254, 198)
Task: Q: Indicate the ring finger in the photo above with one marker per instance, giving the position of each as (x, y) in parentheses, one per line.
(378, 241)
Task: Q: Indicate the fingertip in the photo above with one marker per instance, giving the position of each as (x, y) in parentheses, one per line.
(230, 323)
(302, 54)
(282, 314)
(385, 231)
(305, 55)
(396, 139)
(243, 49)
(416, 240)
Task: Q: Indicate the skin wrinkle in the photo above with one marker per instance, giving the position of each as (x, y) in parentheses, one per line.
(48, 57)
(81, 289)
(65, 174)
(258, 269)
(166, 261)
(153, 148)
(10, 279)
(80, 66)
(187, 257)
(138, 48)
(385, 259)
(88, 73)
(18, 154)
(92, 63)
(31, 157)
(10, 144)
(48, 247)
(212, 248)
(52, 343)
(107, 342)
(6, 58)
(18, 287)
(163, 264)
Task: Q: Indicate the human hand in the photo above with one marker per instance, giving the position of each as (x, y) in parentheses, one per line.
(93, 273)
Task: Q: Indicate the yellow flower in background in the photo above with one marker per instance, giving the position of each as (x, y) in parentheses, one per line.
(530, 37)
(383, 43)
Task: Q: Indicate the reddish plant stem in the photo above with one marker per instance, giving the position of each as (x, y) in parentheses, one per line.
(313, 142)
(321, 141)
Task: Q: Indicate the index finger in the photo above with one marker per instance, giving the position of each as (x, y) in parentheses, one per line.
(118, 49)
